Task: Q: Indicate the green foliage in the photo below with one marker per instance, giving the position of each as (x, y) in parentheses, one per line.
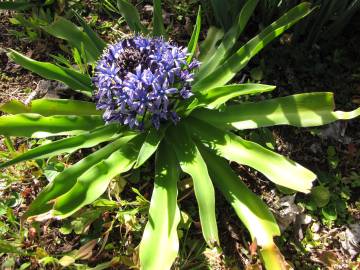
(194, 37)
(32, 124)
(192, 163)
(234, 63)
(64, 29)
(15, 5)
(48, 107)
(132, 17)
(301, 110)
(329, 20)
(158, 23)
(198, 146)
(229, 40)
(74, 79)
(164, 214)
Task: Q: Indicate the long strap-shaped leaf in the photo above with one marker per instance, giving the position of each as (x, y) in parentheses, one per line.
(68, 145)
(192, 163)
(158, 23)
(151, 143)
(35, 125)
(275, 167)
(208, 46)
(64, 181)
(252, 211)
(131, 16)
(225, 72)
(212, 98)
(302, 110)
(47, 107)
(93, 183)
(160, 244)
(194, 36)
(64, 29)
(98, 42)
(229, 40)
(74, 79)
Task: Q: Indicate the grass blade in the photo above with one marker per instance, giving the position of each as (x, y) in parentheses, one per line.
(160, 234)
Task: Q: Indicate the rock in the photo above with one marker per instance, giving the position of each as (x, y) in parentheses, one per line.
(287, 211)
(351, 239)
(47, 89)
(336, 131)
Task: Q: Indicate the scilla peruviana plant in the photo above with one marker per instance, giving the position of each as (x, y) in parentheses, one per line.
(151, 97)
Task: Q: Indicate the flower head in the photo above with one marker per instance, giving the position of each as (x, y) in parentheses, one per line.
(140, 79)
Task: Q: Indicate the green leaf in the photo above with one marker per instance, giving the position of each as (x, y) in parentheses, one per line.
(35, 125)
(9, 247)
(68, 145)
(225, 11)
(75, 80)
(160, 234)
(320, 195)
(158, 23)
(98, 42)
(302, 110)
(275, 167)
(208, 46)
(17, 5)
(64, 29)
(226, 71)
(329, 212)
(48, 107)
(230, 39)
(215, 97)
(194, 37)
(94, 182)
(150, 145)
(131, 16)
(252, 211)
(64, 181)
(193, 164)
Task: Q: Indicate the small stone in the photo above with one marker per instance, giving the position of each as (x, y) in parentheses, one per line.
(315, 227)
(306, 219)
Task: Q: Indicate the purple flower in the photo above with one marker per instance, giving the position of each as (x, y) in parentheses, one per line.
(140, 80)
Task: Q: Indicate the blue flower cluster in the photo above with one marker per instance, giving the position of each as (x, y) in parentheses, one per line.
(140, 79)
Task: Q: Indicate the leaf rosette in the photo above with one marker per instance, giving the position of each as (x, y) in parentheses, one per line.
(144, 82)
